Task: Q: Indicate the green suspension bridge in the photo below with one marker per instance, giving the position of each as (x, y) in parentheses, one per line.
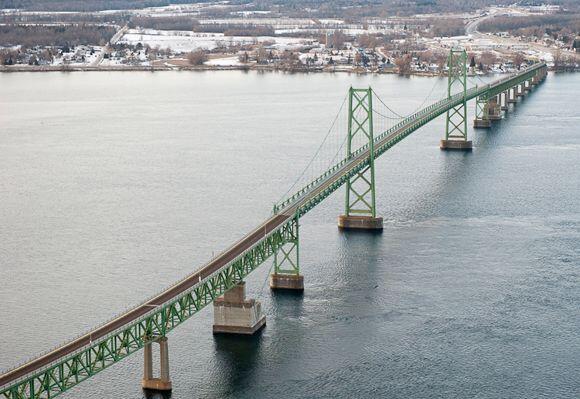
(371, 128)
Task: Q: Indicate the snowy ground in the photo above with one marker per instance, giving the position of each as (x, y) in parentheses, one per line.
(225, 61)
(185, 41)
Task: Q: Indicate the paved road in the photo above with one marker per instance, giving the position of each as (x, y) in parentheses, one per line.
(107, 49)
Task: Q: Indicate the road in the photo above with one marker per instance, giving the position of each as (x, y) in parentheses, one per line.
(108, 48)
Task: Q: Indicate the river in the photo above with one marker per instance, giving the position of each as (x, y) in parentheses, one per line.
(116, 184)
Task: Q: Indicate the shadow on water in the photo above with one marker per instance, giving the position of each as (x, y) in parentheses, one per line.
(148, 394)
(237, 357)
(357, 232)
(287, 303)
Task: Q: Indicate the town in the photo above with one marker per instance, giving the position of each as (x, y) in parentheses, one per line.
(189, 37)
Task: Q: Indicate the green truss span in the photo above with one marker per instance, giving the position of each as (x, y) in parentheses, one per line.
(185, 298)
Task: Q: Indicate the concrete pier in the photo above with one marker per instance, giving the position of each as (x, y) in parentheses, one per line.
(290, 282)
(234, 314)
(511, 99)
(493, 110)
(163, 383)
(519, 91)
(480, 124)
(351, 222)
(504, 103)
(456, 145)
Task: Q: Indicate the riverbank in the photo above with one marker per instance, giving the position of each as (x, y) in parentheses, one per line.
(160, 68)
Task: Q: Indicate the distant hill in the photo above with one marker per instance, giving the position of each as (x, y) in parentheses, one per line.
(325, 7)
(88, 5)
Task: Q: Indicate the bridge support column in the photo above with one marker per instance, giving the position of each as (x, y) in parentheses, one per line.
(494, 109)
(360, 207)
(456, 122)
(527, 85)
(286, 274)
(504, 103)
(163, 383)
(519, 90)
(512, 96)
(482, 120)
(234, 314)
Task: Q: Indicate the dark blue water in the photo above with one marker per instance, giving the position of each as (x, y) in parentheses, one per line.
(114, 185)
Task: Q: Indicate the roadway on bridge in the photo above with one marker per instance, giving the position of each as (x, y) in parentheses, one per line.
(248, 241)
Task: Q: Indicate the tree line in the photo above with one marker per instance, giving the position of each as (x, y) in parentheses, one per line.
(88, 5)
(559, 25)
(59, 35)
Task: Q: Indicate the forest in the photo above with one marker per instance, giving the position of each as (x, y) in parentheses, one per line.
(50, 35)
(338, 8)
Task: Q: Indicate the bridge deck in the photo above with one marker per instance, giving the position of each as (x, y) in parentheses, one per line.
(254, 237)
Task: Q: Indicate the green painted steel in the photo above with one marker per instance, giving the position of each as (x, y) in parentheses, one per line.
(360, 189)
(68, 372)
(456, 121)
(287, 258)
(402, 130)
(481, 108)
(51, 380)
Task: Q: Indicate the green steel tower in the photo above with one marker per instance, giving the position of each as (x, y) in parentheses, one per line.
(360, 204)
(456, 121)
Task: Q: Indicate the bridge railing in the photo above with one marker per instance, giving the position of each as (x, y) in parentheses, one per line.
(408, 120)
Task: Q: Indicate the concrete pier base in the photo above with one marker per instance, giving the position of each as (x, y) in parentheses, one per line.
(481, 123)
(163, 383)
(292, 282)
(360, 222)
(494, 111)
(234, 314)
(456, 145)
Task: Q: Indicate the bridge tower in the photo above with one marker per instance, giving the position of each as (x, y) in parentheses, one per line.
(360, 207)
(456, 123)
(286, 274)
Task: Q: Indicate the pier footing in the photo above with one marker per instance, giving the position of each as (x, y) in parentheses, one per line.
(360, 223)
(482, 123)
(291, 282)
(459, 145)
(234, 314)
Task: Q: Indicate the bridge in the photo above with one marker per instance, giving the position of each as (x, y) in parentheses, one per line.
(221, 281)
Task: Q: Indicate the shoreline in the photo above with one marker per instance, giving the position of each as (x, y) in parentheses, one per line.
(163, 68)
(204, 68)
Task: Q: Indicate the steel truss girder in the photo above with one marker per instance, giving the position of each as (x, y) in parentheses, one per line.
(402, 129)
(407, 126)
(65, 374)
(360, 189)
(509, 82)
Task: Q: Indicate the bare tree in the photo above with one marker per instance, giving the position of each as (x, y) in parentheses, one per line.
(518, 60)
(403, 64)
(487, 59)
(197, 57)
